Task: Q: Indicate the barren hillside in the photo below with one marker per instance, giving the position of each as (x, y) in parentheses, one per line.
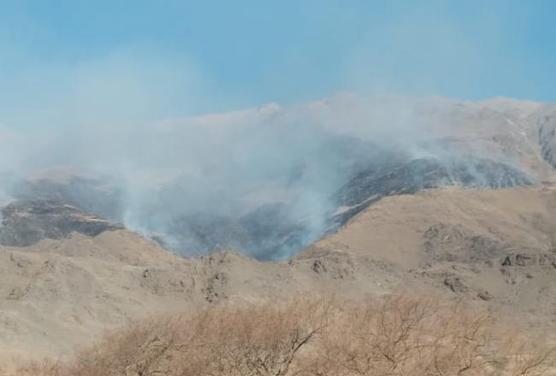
(469, 216)
(492, 248)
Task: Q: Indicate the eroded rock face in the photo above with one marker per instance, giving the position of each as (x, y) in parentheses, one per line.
(529, 259)
(456, 243)
(97, 195)
(546, 122)
(27, 222)
(399, 176)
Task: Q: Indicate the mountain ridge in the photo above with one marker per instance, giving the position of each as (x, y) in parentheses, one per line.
(467, 218)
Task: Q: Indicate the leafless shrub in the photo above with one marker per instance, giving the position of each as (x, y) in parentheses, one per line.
(421, 336)
(396, 335)
(262, 340)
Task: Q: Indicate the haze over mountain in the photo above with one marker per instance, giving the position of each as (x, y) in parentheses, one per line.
(466, 214)
(162, 158)
(270, 181)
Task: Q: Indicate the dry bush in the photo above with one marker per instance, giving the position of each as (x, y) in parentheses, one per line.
(409, 336)
(261, 340)
(391, 336)
(222, 340)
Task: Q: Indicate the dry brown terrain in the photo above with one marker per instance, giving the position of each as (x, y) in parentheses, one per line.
(393, 335)
(493, 248)
(497, 246)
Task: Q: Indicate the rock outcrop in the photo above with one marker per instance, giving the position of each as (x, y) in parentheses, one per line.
(27, 222)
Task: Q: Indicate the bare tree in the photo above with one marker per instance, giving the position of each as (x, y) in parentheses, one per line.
(389, 336)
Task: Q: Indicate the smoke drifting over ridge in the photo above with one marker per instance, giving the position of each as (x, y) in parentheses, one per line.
(267, 181)
(100, 105)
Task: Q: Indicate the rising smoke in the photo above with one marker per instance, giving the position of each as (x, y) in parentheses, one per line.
(267, 181)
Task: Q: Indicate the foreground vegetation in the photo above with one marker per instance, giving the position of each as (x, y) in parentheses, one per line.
(391, 336)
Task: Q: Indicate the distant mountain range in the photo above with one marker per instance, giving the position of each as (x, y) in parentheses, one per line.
(306, 170)
(463, 208)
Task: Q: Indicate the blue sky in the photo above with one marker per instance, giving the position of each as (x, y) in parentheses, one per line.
(172, 58)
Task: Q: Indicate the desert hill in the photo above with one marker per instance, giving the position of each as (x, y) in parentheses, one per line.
(461, 208)
(279, 178)
(491, 248)
(494, 245)
(58, 295)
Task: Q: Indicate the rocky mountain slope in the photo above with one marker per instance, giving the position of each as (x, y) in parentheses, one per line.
(493, 245)
(490, 248)
(470, 216)
(59, 294)
(26, 222)
(336, 156)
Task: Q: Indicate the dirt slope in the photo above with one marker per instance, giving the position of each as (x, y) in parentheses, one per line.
(493, 248)
(58, 295)
(72, 275)
(497, 246)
